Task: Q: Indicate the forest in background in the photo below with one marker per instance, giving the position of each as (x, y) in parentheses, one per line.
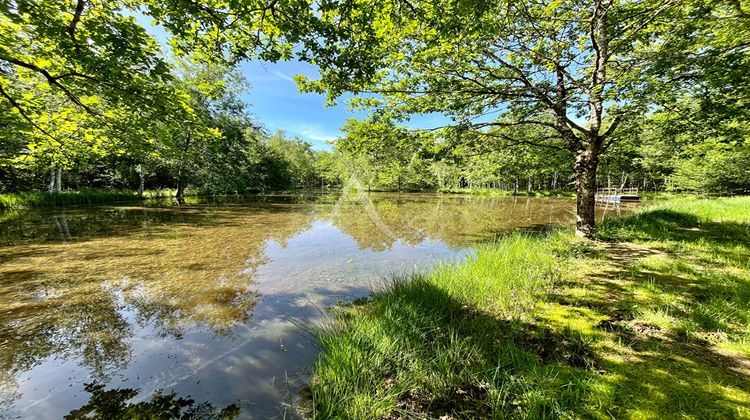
(572, 95)
(212, 144)
(201, 138)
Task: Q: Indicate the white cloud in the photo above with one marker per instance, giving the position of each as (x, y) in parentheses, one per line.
(311, 131)
(283, 76)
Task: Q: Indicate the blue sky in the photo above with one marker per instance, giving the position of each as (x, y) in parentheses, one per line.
(278, 105)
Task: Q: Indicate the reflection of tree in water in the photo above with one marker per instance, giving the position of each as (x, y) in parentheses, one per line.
(173, 269)
(376, 221)
(114, 404)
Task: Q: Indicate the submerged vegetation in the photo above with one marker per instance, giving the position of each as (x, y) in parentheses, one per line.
(652, 322)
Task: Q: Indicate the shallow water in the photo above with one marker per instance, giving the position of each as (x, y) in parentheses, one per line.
(206, 299)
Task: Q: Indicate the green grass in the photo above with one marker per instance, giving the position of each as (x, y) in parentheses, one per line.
(16, 201)
(652, 322)
(40, 199)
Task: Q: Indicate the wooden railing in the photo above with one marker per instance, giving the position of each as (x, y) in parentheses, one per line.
(617, 191)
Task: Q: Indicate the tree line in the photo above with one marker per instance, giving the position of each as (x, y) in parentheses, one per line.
(658, 157)
(653, 90)
(206, 140)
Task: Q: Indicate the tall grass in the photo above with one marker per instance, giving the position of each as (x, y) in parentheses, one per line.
(40, 199)
(452, 343)
(653, 324)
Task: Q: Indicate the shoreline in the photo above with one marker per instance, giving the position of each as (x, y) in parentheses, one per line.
(552, 326)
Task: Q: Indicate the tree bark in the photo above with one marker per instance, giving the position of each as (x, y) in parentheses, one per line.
(55, 180)
(51, 188)
(180, 193)
(58, 180)
(142, 180)
(586, 162)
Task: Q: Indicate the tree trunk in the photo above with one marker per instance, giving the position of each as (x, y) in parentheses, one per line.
(55, 181)
(142, 180)
(586, 162)
(52, 179)
(180, 193)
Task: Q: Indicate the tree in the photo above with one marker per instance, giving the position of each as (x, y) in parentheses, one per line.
(572, 68)
(398, 154)
(298, 158)
(88, 53)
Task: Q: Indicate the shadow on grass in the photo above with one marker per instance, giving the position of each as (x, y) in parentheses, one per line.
(673, 315)
(416, 351)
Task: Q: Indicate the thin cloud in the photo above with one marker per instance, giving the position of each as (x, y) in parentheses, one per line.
(312, 132)
(283, 76)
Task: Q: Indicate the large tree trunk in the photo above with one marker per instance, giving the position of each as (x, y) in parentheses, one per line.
(586, 162)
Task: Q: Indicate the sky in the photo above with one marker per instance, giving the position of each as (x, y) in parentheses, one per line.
(278, 105)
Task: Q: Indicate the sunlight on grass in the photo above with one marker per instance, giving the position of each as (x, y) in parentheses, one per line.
(550, 326)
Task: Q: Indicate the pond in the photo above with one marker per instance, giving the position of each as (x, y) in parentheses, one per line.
(208, 299)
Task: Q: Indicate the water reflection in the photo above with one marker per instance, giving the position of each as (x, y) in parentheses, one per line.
(114, 404)
(197, 298)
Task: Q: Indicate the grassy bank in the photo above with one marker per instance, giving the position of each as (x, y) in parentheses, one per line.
(652, 321)
(42, 199)
(15, 201)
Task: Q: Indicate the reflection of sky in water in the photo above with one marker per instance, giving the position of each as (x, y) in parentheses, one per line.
(201, 299)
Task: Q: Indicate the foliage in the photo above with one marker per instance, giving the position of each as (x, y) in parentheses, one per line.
(714, 168)
(205, 140)
(92, 100)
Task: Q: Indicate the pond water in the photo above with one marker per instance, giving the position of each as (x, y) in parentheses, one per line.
(206, 299)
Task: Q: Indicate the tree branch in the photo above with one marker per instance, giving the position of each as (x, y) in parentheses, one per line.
(74, 22)
(52, 80)
(23, 114)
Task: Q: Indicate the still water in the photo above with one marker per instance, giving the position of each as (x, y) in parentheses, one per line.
(206, 299)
